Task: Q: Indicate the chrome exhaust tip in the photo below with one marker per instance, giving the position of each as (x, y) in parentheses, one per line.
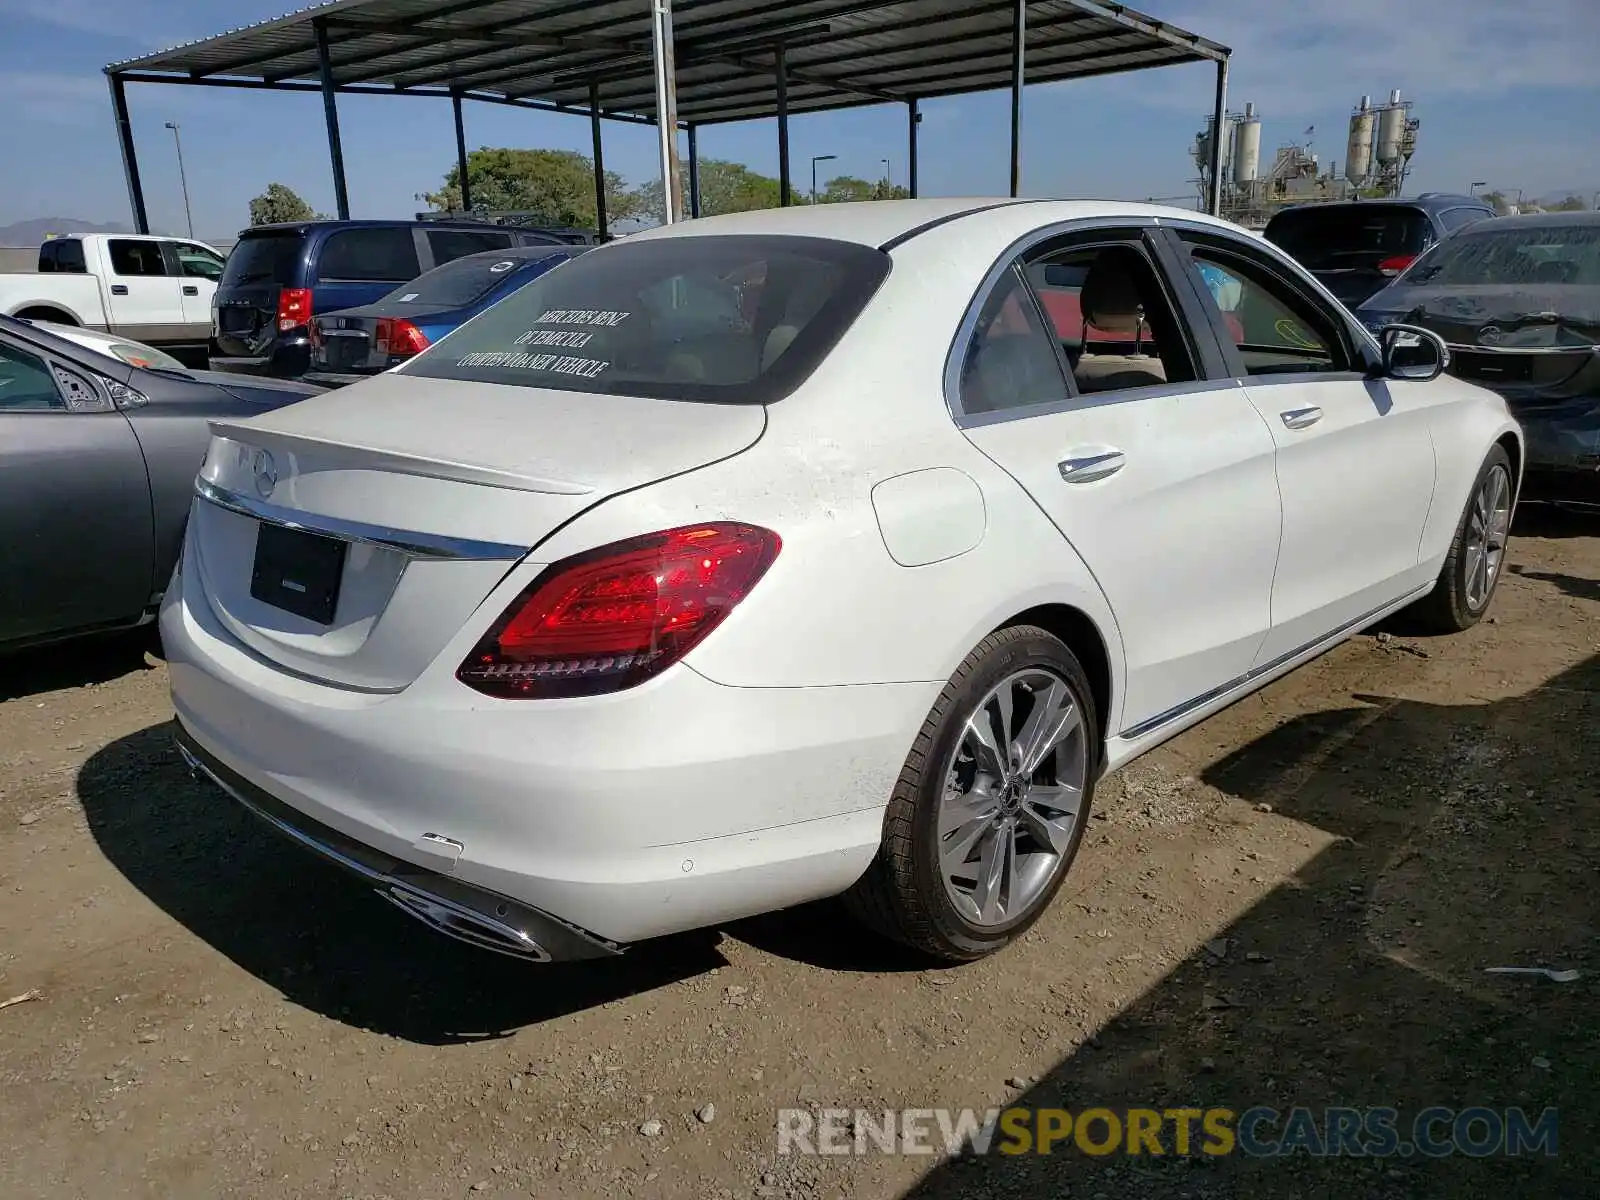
(464, 925)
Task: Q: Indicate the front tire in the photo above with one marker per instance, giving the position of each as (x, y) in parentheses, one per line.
(990, 808)
(1472, 569)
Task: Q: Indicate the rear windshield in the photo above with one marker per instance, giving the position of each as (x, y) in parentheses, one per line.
(724, 319)
(263, 258)
(1531, 255)
(466, 280)
(1329, 238)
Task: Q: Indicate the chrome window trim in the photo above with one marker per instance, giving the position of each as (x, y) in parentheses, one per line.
(404, 541)
(1523, 349)
(1086, 401)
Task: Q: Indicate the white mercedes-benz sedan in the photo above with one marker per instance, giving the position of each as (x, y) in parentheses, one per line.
(827, 550)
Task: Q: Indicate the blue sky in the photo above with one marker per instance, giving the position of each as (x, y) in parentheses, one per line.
(1504, 93)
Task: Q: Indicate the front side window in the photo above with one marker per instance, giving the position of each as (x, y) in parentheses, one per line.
(1275, 330)
(720, 319)
(196, 262)
(1010, 362)
(26, 383)
(133, 258)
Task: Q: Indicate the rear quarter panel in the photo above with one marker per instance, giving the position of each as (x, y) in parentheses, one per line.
(77, 296)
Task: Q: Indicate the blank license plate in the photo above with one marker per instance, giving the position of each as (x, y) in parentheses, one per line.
(298, 572)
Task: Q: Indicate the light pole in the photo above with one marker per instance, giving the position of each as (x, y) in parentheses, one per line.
(888, 175)
(1476, 184)
(182, 178)
(815, 159)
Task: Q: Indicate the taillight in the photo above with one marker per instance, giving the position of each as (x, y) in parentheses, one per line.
(294, 308)
(611, 618)
(399, 338)
(1393, 266)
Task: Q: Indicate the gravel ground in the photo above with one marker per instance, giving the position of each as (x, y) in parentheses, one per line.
(1292, 904)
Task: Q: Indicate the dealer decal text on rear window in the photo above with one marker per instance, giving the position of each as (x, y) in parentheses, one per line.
(585, 368)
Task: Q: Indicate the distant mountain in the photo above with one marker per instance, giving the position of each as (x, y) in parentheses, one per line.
(31, 233)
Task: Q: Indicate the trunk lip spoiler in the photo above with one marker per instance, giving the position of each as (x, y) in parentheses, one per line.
(411, 543)
(399, 461)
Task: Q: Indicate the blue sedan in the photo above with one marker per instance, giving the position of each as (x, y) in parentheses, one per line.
(354, 343)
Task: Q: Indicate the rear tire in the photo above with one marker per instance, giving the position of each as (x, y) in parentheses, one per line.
(981, 832)
(1472, 569)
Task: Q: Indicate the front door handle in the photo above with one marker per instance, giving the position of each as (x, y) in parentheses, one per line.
(1301, 418)
(190, 289)
(119, 289)
(1086, 468)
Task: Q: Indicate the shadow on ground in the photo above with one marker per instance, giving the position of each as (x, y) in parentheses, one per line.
(1468, 838)
(72, 664)
(320, 937)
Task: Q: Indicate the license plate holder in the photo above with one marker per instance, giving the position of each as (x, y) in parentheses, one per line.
(298, 572)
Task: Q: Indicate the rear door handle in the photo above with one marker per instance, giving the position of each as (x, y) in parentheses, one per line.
(1301, 418)
(119, 289)
(1090, 466)
(190, 289)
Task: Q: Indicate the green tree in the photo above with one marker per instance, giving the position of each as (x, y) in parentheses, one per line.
(725, 187)
(279, 203)
(845, 189)
(1495, 200)
(556, 184)
(1570, 204)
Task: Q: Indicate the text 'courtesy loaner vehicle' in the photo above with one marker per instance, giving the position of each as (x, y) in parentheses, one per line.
(785, 554)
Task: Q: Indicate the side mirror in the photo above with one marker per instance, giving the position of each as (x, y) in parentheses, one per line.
(1411, 352)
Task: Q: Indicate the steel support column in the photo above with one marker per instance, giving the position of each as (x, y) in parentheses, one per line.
(461, 151)
(781, 63)
(694, 173)
(1019, 40)
(913, 119)
(666, 109)
(330, 114)
(130, 158)
(1219, 114)
(602, 223)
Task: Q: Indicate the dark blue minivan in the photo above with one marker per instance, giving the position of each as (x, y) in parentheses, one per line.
(278, 277)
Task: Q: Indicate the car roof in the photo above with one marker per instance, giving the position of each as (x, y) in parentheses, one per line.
(880, 223)
(1430, 202)
(397, 222)
(1546, 220)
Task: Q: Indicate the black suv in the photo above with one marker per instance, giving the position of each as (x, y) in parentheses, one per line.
(278, 277)
(1355, 247)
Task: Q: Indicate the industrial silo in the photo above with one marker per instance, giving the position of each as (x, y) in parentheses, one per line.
(1247, 147)
(1358, 154)
(1391, 129)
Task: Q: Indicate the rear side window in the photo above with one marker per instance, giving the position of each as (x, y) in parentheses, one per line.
(376, 255)
(264, 258)
(448, 244)
(1458, 218)
(1331, 237)
(69, 256)
(129, 257)
(721, 319)
(47, 258)
(468, 279)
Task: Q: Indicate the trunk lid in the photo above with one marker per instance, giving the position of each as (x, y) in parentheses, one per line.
(353, 339)
(424, 493)
(261, 264)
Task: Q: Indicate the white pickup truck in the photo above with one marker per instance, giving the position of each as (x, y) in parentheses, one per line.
(149, 289)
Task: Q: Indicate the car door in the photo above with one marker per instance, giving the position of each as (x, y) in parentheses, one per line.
(1125, 429)
(1355, 456)
(198, 268)
(144, 300)
(356, 264)
(74, 501)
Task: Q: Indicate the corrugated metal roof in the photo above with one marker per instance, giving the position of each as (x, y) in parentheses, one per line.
(545, 53)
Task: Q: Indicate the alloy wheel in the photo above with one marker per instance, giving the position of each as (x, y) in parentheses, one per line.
(1488, 527)
(1013, 797)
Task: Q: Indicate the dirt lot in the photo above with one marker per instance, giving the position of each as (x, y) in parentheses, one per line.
(1292, 904)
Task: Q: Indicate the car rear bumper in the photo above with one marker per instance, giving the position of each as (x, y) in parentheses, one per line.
(679, 804)
(289, 358)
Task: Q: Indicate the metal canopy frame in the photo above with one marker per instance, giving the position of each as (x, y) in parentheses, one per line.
(700, 62)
